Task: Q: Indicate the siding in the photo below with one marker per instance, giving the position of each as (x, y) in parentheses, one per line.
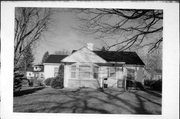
(49, 70)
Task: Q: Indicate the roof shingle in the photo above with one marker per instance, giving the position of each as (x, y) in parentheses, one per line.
(123, 56)
(55, 58)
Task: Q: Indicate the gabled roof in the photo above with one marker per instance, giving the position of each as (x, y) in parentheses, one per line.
(55, 58)
(122, 56)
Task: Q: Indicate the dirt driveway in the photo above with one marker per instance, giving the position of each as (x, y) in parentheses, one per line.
(110, 101)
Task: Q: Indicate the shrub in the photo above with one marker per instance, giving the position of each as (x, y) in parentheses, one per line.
(47, 82)
(154, 84)
(31, 82)
(57, 82)
(25, 82)
(157, 85)
(17, 81)
(38, 82)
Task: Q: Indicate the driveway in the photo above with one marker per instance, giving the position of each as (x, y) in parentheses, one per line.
(109, 101)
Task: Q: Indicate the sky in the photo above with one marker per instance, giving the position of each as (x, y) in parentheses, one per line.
(62, 35)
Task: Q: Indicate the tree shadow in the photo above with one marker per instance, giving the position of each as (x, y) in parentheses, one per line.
(139, 110)
(84, 101)
(27, 91)
(153, 93)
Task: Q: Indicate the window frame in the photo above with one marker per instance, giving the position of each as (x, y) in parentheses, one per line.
(87, 71)
(109, 72)
(95, 72)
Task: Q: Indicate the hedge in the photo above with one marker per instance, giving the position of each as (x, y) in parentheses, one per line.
(47, 82)
(57, 82)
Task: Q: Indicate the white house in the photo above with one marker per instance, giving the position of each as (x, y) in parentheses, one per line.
(88, 68)
(36, 71)
(52, 64)
(29, 73)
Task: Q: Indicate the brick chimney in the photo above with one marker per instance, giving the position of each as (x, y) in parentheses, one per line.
(90, 46)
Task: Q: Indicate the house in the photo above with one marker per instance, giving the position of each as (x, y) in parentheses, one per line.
(29, 73)
(52, 64)
(36, 71)
(88, 68)
(155, 74)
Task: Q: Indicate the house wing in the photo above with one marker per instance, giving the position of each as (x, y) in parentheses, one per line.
(84, 55)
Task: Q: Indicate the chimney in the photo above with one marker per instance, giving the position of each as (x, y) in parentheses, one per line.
(90, 46)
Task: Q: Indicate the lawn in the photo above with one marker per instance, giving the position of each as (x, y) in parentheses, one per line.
(110, 101)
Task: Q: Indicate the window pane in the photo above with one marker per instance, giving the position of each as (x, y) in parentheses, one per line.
(95, 72)
(73, 74)
(112, 72)
(73, 68)
(84, 68)
(119, 69)
(96, 69)
(112, 69)
(95, 75)
(130, 74)
(84, 74)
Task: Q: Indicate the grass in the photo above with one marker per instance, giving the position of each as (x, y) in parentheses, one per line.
(110, 101)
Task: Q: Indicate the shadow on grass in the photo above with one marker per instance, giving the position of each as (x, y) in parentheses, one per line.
(153, 93)
(27, 91)
(84, 101)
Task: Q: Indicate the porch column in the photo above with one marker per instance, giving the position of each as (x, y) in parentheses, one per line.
(125, 77)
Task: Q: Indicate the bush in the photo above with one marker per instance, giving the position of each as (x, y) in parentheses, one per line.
(31, 82)
(154, 84)
(157, 85)
(39, 82)
(47, 82)
(57, 82)
(18, 77)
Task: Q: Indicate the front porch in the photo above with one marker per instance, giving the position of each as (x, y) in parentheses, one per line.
(94, 75)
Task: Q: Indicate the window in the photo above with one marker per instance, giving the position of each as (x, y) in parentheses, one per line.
(84, 71)
(56, 71)
(130, 74)
(119, 68)
(73, 71)
(112, 72)
(95, 72)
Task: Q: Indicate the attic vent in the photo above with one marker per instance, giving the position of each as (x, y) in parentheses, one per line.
(90, 46)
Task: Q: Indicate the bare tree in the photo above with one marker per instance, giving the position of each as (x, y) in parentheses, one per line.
(30, 23)
(132, 27)
(27, 59)
(154, 60)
